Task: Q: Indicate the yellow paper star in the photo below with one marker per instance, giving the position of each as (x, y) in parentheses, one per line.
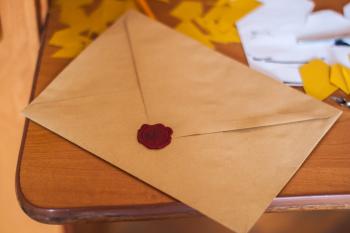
(82, 28)
(315, 76)
(217, 25)
(340, 78)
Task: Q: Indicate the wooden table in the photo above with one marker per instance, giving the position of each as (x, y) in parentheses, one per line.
(58, 182)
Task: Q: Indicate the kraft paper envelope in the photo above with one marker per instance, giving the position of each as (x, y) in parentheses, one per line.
(238, 136)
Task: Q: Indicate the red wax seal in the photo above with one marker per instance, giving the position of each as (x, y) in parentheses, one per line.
(155, 136)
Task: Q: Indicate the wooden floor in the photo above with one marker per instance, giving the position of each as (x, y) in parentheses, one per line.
(18, 50)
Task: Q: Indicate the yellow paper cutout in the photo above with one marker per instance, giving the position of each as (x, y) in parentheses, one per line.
(346, 74)
(221, 32)
(315, 76)
(338, 78)
(106, 13)
(231, 11)
(73, 42)
(73, 4)
(82, 28)
(73, 14)
(192, 31)
(68, 51)
(217, 25)
(188, 10)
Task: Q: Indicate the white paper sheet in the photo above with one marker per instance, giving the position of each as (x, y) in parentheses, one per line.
(340, 54)
(346, 11)
(270, 38)
(326, 23)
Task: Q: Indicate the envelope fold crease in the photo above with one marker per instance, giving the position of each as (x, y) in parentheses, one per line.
(174, 85)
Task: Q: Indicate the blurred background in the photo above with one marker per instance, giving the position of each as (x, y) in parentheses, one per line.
(19, 46)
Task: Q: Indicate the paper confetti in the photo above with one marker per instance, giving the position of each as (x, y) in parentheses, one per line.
(82, 28)
(346, 75)
(316, 79)
(217, 24)
(339, 79)
(191, 30)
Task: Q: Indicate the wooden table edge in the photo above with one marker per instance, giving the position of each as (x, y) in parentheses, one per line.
(53, 215)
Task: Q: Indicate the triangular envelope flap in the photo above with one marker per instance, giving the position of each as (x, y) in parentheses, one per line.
(99, 84)
(103, 68)
(197, 90)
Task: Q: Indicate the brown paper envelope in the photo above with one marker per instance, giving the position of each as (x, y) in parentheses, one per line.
(238, 136)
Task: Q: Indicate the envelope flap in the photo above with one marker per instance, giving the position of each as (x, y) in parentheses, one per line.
(204, 91)
(98, 87)
(104, 68)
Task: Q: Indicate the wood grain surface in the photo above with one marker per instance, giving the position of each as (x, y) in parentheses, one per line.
(59, 182)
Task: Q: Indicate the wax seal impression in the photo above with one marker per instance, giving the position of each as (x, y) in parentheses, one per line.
(155, 136)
